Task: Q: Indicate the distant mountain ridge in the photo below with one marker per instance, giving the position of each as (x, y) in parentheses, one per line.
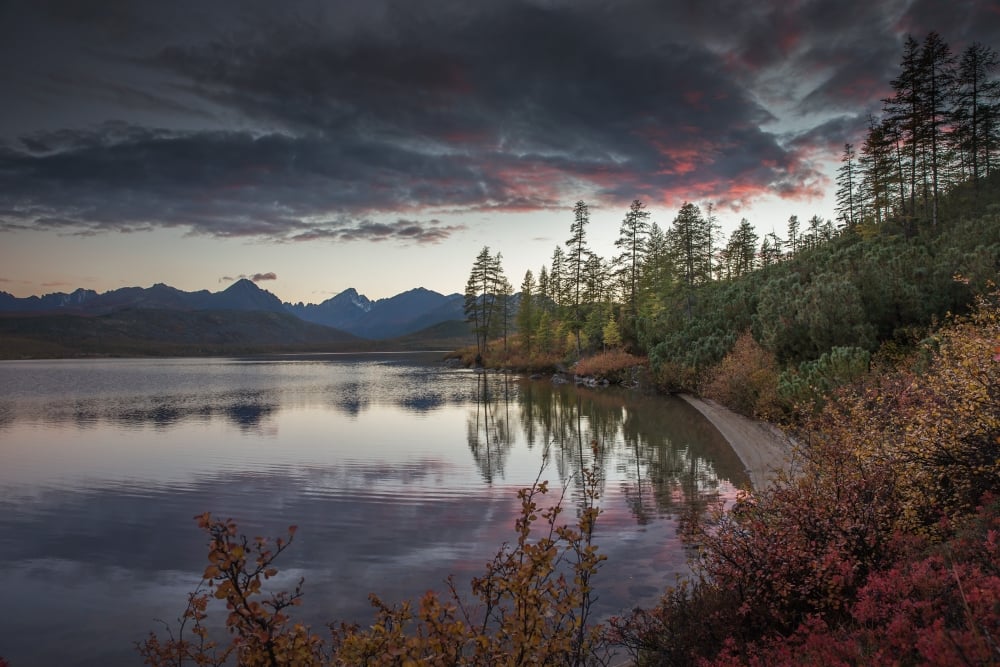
(348, 311)
(399, 315)
(241, 295)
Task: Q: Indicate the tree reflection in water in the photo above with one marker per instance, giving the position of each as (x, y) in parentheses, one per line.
(488, 427)
(663, 455)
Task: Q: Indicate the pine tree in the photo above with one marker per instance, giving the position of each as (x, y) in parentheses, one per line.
(576, 258)
(557, 277)
(526, 314)
(904, 111)
(632, 241)
(688, 240)
(713, 229)
(595, 279)
(481, 292)
(815, 234)
(876, 171)
(794, 241)
(505, 314)
(657, 274)
(612, 334)
(770, 250)
(741, 251)
(976, 99)
(938, 68)
(545, 300)
(846, 188)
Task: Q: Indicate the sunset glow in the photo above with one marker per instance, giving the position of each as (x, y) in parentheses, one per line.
(321, 143)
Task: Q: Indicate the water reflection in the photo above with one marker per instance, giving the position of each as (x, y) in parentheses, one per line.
(398, 470)
(488, 424)
(666, 457)
(351, 398)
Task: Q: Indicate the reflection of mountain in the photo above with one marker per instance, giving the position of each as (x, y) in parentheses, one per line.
(247, 409)
(249, 415)
(385, 504)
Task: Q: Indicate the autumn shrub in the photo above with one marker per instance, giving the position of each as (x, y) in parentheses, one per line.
(513, 356)
(671, 377)
(936, 605)
(938, 428)
(798, 549)
(613, 366)
(530, 607)
(746, 380)
(688, 625)
(261, 630)
(856, 559)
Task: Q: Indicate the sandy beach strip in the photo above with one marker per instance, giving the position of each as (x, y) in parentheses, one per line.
(763, 448)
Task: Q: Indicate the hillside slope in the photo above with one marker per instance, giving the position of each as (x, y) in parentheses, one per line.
(158, 332)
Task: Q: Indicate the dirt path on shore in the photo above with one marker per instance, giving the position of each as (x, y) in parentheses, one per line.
(763, 448)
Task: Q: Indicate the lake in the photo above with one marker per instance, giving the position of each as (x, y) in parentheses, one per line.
(397, 469)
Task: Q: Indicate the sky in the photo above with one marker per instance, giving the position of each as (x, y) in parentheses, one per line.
(314, 146)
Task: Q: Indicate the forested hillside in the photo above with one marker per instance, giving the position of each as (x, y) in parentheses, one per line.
(917, 235)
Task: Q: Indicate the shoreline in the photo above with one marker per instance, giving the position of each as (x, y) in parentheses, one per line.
(764, 450)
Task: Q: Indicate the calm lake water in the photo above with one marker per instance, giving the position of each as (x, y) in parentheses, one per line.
(397, 469)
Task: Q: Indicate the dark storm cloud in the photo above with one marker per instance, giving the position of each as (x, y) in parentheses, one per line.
(323, 120)
(224, 184)
(401, 230)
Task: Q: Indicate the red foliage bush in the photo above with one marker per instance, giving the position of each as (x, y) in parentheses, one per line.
(613, 365)
(876, 552)
(938, 607)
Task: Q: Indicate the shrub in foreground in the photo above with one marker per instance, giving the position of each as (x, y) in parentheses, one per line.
(530, 607)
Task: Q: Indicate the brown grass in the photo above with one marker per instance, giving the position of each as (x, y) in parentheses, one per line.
(613, 365)
(513, 358)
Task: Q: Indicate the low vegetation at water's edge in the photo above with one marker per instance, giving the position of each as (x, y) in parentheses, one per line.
(882, 550)
(530, 607)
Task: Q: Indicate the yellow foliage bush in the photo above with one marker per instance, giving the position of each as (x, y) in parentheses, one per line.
(530, 607)
(938, 429)
(746, 380)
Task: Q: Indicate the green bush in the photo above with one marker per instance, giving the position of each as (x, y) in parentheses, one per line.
(813, 380)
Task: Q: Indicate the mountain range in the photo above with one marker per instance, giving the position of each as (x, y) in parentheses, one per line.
(395, 316)
(243, 317)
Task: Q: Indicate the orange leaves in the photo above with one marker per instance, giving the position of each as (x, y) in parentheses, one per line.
(533, 605)
(260, 633)
(746, 380)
